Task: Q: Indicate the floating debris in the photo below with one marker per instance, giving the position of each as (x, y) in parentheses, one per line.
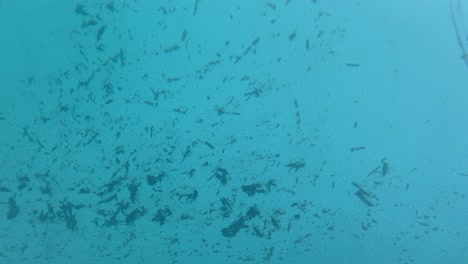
(363, 195)
(296, 165)
(13, 209)
(458, 24)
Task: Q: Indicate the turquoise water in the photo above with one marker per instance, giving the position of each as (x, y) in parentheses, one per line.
(211, 131)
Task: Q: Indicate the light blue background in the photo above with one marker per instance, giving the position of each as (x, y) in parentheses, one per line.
(408, 97)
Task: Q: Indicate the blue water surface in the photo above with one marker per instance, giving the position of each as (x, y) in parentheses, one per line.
(206, 131)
